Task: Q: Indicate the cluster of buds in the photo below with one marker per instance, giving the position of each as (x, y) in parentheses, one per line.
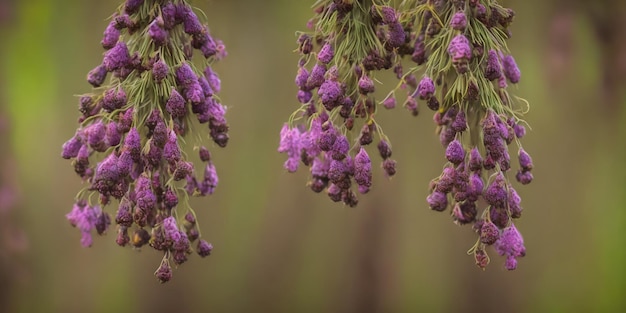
(349, 42)
(468, 70)
(130, 145)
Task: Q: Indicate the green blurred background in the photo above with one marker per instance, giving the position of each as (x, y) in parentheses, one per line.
(278, 246)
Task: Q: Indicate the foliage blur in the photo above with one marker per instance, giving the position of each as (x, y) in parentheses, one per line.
(278, 246)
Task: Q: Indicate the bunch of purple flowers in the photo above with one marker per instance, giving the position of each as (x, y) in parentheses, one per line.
(349, 42)
(468, 69)
(130, 143)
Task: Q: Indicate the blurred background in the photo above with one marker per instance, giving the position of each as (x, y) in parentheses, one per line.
(278, 246)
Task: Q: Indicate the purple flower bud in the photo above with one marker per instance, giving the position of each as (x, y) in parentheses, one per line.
(525, 161)
(117, 57)
(514, 201)
(326, 53)
(191, 24)
(337, 171)
(458, 21)
(316, 78)
(475, 160)
(168, 13)
(511, 245)
(97, 76)
(111, 36)
(210, 48)
(340, 148)
(455, 153)
(113, 99)
(363, 168)
(159, 70)
(103, 220)
(437, 201)
(304, 96)
(384, 149)
(524, 177)
(208, 185)
(213, 79)
(71, 147)
(460, 50)
(366, 85)
(426, 88)
(419, 51)
(460, 122)
(493, 69)
(131, 6)
(302, 77)
(164, 272)
(519, 130)
(446, 180)
(475, 187)
(125, 122)
(170, 229)
(156, 33)
(145, 197)
(95, 136)
(489, 233)
(496, 194)
(290, 144)
(389, 166)
(171, 152)
(185, 75)
(204, 248)
(388, 15)
(511, 71)
(397, 35)
(389, 103)
(112, 137)
(132, 144)
(84, 217)
(330, 93)
(175, 105)
(123, 216)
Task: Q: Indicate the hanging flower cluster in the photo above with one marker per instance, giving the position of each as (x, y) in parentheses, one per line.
(460, 47)
(349, 42)
(131, 144)
(467, 69)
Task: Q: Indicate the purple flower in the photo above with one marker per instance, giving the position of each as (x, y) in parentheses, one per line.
(316, 78)
(185, 75)
(97, 76)
(159, 70)
(112, 137)
(397, 36)
(117, 57)
(458, 21)
(455, 153)
(326, 53)
(519, 130)
(208, 184)
(389, 166)
(304, 96)
(158, 34)
(337, 171)
(168, 13)
(113, 99)
(511, 71)
(384, 149)
(302, 77)
(475, 160)
(446, 180)
(340, 148)
(171, 151)
(437, 201)
(475, 187)
(330, 93)
(204, 248)
(496, 194)
(111, 36)
(164, 272)
(290, 144)
(84, 217)
(524, 177)
(366, 85)
(71, 147)
(514, 201)
(525, 161)
(175, 105)
(213, 79)
(460, 122)
(493, 69)
(464, 212)
(131, 6)
(132, 144)
(489, 233)
(389, 103)
(363, 168)
(388, 15)
(426, 88)
(460, 50)
(419, 51)
(95, 135)
(191, 24)
(170, 229)
(511, 245)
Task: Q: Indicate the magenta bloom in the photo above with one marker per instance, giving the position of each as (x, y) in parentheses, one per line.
(290, 144)
(458, 21)
(511, 245)
(363, 168)
(511, 71)
(426, 88)
(326, 54)
(460, 48)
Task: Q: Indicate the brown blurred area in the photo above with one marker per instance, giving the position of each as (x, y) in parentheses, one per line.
(278, 246)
